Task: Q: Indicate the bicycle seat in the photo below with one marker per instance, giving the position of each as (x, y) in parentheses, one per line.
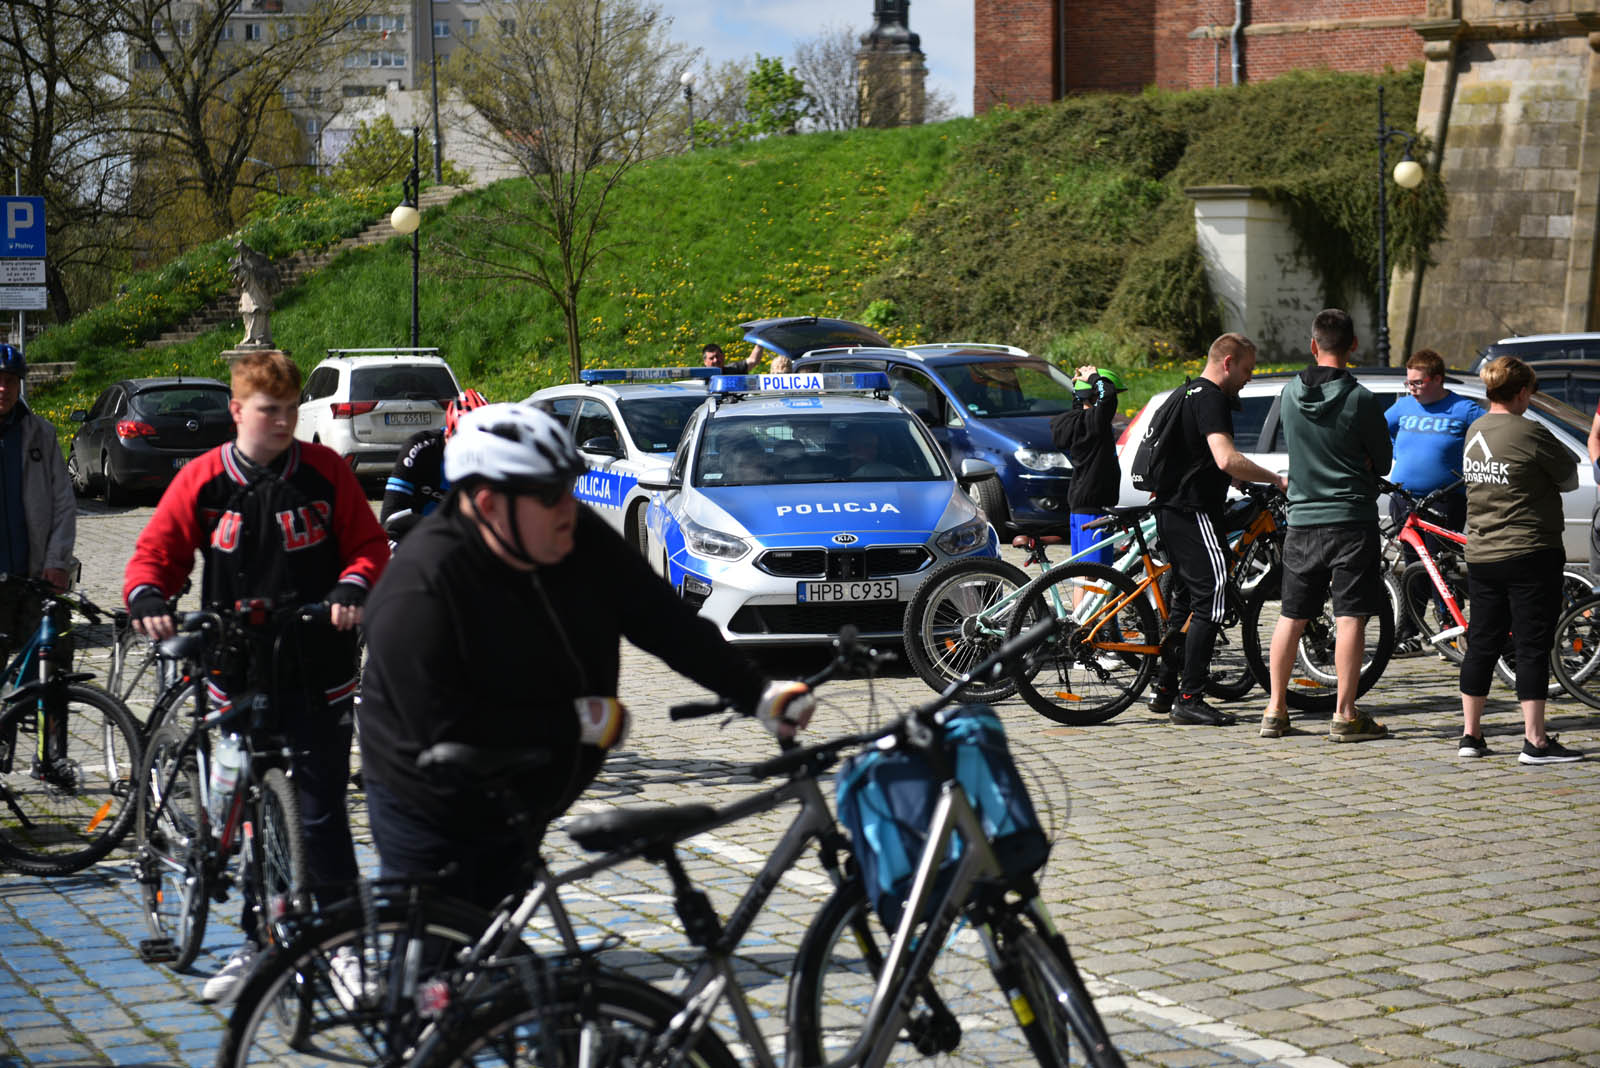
(483, 762)
(602, 831)
(1120, 517)
(1028, 541)
(187, 646)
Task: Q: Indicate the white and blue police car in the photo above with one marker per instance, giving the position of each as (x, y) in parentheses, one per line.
(798, 503)
(627, 422)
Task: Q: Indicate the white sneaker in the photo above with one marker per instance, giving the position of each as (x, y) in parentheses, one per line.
(354, 985)
(223, 987)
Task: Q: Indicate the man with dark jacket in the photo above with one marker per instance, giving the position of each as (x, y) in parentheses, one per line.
(1338, 444)
(1085, 434)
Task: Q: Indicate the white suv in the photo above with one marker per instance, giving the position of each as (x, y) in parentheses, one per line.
(365, 404)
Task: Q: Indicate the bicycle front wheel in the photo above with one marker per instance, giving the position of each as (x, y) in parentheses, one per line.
(281, 872)
(1055, 1011)
(67, 766)
(1313, 681)
(1575, 657)
(138, 675)
(1104, 654)
(958, 1016)
(341, 989)
(956, 618)
(172, 831)
(586, 1019)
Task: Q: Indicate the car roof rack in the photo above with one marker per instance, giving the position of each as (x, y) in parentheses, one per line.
(857, 350)
(605, 375)
(426, 351)
(937, 347)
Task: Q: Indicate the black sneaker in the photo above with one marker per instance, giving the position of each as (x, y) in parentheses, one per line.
(1190, 710)
(1406, 647)
(1472, 746)
(1551, 752)
(1161, 700)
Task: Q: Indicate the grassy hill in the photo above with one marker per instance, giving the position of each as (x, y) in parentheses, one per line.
(1062, 228)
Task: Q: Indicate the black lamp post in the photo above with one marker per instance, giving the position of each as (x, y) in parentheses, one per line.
(687, 78)
(406, 219)
(1407, 175)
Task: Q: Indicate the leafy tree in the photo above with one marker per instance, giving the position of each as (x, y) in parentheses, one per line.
(380, 153)
(777, 99)
(579, 91)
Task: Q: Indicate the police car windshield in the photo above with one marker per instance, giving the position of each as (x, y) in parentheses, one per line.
(989, 389)
(769, 450)
(656, 422)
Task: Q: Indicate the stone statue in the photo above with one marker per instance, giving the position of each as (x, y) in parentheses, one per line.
(258, 277)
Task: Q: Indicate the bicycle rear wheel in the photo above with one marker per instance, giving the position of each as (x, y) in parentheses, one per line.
(172, 830)
(951, 624)
(1094, 666)
(1575, 657)
(1313, 681)
(585, 1019)
(66, 779)
(340, 989)
(964, 1020)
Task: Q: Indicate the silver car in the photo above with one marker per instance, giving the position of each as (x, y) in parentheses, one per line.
(1255, 433)
(365, 404)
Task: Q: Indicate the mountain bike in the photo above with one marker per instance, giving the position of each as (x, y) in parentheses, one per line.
(856, 998)
(188, 836)
(1116, 622)
(68, 751)
(1433, 589)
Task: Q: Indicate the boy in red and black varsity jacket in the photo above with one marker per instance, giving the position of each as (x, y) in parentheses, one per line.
(285, 520)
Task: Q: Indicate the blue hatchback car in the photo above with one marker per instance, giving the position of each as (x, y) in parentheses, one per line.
(981, 402)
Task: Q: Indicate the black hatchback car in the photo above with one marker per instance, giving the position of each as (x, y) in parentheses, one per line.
(142, 430)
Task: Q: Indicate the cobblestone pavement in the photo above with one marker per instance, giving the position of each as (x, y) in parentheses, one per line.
(1235, 899)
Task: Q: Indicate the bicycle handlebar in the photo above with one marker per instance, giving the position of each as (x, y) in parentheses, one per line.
(85, 607)
(1421, 504)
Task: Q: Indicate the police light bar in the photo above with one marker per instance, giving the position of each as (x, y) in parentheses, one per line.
(854, 382)
(644, 374)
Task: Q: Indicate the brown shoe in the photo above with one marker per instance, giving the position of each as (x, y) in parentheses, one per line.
(1361, 729)
(1274, 724)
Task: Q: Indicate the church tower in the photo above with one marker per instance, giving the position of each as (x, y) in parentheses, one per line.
(891, 74)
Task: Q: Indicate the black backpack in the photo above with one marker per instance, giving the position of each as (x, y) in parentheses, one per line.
(1155, 447)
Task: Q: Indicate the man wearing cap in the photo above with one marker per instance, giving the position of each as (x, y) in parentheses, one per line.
(37, 510)
(1084, 433)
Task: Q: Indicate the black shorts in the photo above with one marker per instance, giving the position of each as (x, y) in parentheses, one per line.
(1342, 557)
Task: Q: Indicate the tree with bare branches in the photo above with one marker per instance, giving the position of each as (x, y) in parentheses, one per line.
(827, 65)
(580, 91)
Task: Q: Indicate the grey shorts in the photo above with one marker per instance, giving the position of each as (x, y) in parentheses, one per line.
(1341, 558)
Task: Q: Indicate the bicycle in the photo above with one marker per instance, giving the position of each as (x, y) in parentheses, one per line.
(139, 672)
(188, 835)
(374, 925)
(840, 967)
(1433, 589)
(68, 750)
(1115, 626)
(1575, 656)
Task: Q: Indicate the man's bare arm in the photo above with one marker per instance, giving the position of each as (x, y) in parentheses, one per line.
(1236, 464)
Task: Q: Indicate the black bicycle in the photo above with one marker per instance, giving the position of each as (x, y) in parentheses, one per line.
(68, 751)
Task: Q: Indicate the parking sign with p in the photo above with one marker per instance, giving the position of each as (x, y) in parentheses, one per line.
(22, 227)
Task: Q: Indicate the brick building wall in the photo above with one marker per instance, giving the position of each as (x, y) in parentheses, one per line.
(1025, 56)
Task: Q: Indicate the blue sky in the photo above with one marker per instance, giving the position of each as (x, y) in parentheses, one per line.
(738, 29)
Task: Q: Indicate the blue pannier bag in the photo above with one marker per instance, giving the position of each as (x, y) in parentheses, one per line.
(886, 799)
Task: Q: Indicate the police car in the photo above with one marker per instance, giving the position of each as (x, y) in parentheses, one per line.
(626, 421)
(798, 503)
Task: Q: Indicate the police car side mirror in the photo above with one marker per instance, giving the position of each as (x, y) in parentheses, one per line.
(605, 446)
(658, 481)
(975, 471)
(79, 415)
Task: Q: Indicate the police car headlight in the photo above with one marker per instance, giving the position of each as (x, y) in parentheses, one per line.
(703, 541)
(1039, 460)
(964, 538)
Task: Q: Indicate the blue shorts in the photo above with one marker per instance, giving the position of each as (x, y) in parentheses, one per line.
(1085, 539)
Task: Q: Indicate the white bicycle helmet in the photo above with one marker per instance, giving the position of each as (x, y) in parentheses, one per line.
(511, 445)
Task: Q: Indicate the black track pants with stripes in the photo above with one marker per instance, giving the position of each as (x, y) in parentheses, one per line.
(1199, 553)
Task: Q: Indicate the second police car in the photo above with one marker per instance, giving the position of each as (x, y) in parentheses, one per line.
(798, 503)
(626, 421)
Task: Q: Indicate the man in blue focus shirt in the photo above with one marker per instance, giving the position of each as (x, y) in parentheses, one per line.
(1429, 429)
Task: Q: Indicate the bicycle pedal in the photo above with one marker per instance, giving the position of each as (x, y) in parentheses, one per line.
(158, 950)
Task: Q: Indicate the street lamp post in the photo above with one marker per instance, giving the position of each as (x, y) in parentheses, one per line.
(687, 78)
(406, 219)
(1407, 175)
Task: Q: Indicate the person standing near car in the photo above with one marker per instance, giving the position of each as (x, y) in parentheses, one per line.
(712, 356)
(37, 508)
(1084, 432)
(278, 519)
(1428, 427)
(1190, 496)
(1516, 472)
(1338, 444)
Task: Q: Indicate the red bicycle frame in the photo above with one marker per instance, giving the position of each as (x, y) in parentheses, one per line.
(1411, 533)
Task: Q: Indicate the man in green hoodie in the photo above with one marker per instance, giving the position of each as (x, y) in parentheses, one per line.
(1338, 445)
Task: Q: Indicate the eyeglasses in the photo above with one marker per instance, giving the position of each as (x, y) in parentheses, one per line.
(1418, 383)
(550, 494)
